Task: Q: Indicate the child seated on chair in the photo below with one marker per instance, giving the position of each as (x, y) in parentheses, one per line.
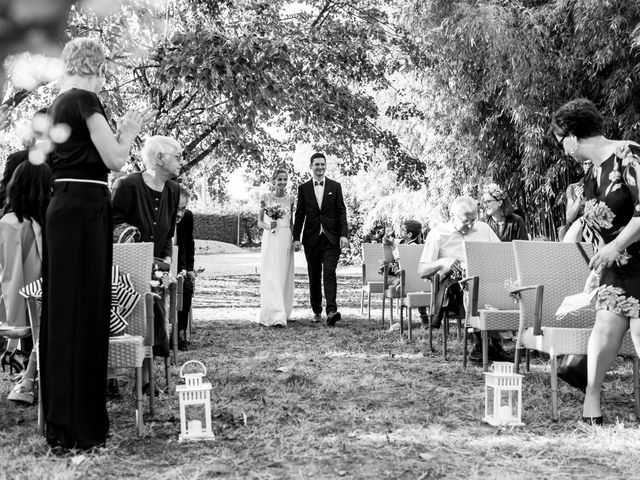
(410, 233)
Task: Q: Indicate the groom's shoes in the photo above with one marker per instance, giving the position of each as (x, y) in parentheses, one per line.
(332, 318)
(317, 318)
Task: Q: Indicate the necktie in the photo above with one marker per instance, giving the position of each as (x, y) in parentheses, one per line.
(321, 184)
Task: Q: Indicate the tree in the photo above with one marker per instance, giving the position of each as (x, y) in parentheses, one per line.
(498, 69)
(225, 75)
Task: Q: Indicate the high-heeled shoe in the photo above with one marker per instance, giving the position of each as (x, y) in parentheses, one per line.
(4, 360)
(17, 361)
(593, 420)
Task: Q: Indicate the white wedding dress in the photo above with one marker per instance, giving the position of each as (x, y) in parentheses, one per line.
(276, 272)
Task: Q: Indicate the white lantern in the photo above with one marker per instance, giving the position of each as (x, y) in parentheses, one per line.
(195, 394)
(502, 395)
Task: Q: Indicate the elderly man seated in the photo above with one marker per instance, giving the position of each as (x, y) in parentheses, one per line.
(444, 254)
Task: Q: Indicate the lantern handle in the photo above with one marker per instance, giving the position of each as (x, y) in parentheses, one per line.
(193, 361)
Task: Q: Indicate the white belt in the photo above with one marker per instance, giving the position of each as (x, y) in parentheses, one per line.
(82, 180)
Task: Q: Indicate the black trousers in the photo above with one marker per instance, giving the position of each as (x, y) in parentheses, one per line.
(74, 333)
(322, 260)
(187, 296)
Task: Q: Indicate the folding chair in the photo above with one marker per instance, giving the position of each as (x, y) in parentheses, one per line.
(372, 283)
(547, 273)
(131, 350)
(413, 288)
(491, 270)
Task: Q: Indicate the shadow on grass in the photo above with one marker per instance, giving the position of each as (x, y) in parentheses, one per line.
(354, 401)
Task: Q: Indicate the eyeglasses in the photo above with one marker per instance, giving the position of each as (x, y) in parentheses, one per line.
(466, 222)
(488, 201)
(178, 156)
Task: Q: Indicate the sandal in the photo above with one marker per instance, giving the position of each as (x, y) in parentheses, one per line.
(23, 392)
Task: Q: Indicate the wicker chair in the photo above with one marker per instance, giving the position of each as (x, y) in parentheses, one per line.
(491, 269)
(413, 289)
(130, 351)
(372, 254)
(553, 271)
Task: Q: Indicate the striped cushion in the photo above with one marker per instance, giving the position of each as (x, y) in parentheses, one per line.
(124, 298)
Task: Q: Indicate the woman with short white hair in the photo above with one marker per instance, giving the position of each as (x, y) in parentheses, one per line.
(149, 201)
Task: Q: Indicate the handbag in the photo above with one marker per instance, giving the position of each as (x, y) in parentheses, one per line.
(573, 368)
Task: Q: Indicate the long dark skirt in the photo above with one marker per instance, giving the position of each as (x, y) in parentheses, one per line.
(74, 339)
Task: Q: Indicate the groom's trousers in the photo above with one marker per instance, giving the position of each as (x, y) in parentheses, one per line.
(322, 260)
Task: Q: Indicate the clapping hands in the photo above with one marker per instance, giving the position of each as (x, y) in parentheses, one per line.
(134, 121)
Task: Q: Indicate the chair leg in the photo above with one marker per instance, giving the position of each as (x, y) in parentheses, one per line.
(485, 350)
(528, 360)
(445, 334)
(401, 318)
(40, 408)
(409, 324)
(391, 312)
(166, 372)
(430, 333)
(362, 302)
(384, 300)
(516, 360)
(465, 348)
(369, 306)
(554, 388)
(636, 385)
(139, 411)
(458, 326)
(152, 386)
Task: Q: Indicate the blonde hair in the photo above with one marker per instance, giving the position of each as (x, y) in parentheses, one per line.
(156, 145)
(84, 57)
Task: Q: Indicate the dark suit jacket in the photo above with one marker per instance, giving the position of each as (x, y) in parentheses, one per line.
(186, 244)
(332, 216)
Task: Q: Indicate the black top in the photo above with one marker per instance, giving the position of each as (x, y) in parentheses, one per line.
(78, 156)
(10, 166)
(186, 244)
(151, 212)
(513, 228)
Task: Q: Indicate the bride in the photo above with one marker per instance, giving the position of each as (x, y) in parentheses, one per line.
(276, 255)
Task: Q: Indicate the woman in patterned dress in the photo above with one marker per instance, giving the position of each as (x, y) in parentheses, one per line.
(611, 221)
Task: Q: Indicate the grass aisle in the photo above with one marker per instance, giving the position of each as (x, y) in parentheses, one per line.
(347, 402)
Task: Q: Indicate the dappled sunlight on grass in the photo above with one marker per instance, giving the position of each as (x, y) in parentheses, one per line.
(354, 401)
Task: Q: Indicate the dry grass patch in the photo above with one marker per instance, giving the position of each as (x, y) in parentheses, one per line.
(353, 401)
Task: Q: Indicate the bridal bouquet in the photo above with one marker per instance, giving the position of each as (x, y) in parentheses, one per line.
(274, 211)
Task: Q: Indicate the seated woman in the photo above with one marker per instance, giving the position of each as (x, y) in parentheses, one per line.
(28, 195)
(149, 201)
(499, 215)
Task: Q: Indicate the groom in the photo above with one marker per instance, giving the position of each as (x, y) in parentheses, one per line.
(322, 211)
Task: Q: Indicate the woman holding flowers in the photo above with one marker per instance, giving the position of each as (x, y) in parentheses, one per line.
(499, 215)
(276, 255)
(611, 221)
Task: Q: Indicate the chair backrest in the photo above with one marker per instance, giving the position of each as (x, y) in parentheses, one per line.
(173, 267)
(495, 265)
(136, 259)
(372, 256)
(563, 271)
(408, 261)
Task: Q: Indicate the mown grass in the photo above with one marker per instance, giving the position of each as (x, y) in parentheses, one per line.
(353, 401)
